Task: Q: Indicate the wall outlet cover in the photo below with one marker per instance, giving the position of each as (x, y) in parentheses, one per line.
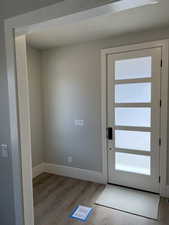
(69, 159)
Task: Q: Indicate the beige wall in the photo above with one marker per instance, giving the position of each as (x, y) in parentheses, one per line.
(36, 112)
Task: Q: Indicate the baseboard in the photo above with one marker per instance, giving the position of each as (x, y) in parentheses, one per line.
(37, 170)
(77, 173)
(81, 174)
(67, 171)
(165, 191)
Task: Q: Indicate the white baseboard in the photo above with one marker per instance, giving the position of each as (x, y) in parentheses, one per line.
(37, 170)
(67, 171)
(165, 191)
(78, 173)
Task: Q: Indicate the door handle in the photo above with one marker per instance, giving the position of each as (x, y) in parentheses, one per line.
(109, 133)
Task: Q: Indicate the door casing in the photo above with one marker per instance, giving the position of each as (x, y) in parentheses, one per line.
(164, 107)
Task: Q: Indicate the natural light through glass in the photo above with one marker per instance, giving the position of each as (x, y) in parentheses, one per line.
(133, 68)
(132, 163)
(133, 93)
(139, 117)
(136, 140)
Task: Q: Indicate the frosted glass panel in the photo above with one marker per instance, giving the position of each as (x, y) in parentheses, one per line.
(132, 163)
(139, 117)
(133, 68)
(133, 93)
(137, 140)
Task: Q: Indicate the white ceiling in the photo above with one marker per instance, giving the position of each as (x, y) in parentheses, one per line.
(133, 20)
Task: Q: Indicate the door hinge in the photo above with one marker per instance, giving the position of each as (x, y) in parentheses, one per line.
(159, 179)
(161, 63)
(160, 102)
(159, 141)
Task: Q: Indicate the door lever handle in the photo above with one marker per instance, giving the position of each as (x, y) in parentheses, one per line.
(109, 133)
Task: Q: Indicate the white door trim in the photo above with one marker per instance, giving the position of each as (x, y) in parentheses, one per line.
(164, 44)
(25, 127)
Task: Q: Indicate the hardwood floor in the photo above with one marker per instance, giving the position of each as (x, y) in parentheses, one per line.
(55, 197)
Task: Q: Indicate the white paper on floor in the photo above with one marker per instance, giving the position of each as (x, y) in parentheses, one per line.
(81, 213)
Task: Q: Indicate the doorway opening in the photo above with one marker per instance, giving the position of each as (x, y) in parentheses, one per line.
(61, 92)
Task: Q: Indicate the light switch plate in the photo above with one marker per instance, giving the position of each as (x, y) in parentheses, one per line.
(79, 122)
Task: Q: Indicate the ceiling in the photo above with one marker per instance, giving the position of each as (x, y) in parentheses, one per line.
(133, 20)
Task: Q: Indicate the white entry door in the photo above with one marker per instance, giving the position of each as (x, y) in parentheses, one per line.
(133, 91)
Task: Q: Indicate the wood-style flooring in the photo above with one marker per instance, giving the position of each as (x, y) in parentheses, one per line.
(55, 197)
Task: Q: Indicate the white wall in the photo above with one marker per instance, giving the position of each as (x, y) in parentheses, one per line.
(71, 87)
(36, 112)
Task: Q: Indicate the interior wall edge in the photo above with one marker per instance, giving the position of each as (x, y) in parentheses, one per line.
(36, 105)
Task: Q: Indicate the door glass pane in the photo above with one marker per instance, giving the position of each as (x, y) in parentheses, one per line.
(133, 93)
(137, 140)
(139, 117)
(133, 68)
(132, 163)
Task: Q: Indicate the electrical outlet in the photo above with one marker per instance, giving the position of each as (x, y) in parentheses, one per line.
(69, 159)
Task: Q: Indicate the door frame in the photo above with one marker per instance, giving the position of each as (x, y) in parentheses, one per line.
(164, 44)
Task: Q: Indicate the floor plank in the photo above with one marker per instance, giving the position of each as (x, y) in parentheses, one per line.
(56, 196)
